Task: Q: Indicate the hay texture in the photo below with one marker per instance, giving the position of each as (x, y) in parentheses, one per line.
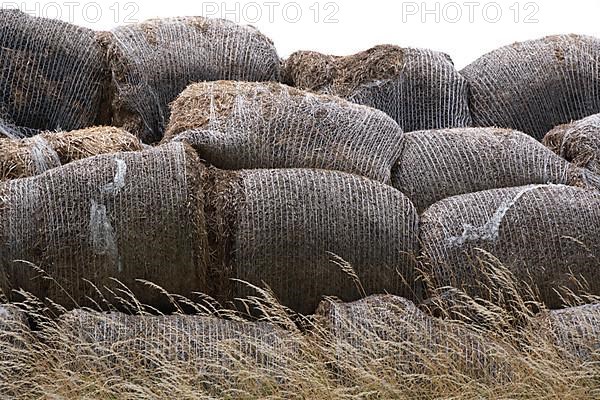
(153, 61)
(536, 85)
(127, 216)
(236, 125)
(21, 158)
(394, 331)
(578, 142)
(543, 234)
(577, 330)
(438, 164)
(52, 75)
(210, 345)
(419, 89)
(284, 228)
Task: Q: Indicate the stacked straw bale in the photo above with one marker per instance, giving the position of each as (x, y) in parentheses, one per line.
(577, 330)
(419, 89)
(394, 331)
(544, 234)
(284, 228)
(52, 75)
(238, 125)
(153, 61)
(438, 164)
(21, 158)
(578, 142)
(536, 85)
(213, 346)
(129, 216)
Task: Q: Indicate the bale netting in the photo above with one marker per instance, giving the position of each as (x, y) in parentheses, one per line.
(547, 236)
(420, 89)
(576, 330)
(153, 61)
(128, 216)
(536, 85)
(21, 158)
(438, 164)
(393, 331)
(237, 125)
(578, 142)
(214, 347)
(52, 75)
(311, 233)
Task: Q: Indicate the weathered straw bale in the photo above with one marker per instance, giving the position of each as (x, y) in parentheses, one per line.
(285, 227)
(536, 85)
(438, 164)
(577, 330)
(578, 142)
(543, 234)
(391, 329)
(237, 125)
(21, 158)
(52, 74)
(153, 61)
(129, 216)
(213, 346)
(420, 89)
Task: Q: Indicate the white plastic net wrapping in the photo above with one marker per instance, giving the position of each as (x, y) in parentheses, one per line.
(437, 164)
(52, 74)
(153, 61)
(577, 330)
(126, 216)
(236, 125)
(420, 89)
(289, 226)
(536, 85)
(578, 142)
(544, 234)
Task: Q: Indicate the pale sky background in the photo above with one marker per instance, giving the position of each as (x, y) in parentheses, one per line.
(464, 29)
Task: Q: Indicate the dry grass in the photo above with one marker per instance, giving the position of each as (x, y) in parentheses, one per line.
(53, 362)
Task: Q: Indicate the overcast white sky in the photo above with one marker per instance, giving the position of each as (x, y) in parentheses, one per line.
(463, 29)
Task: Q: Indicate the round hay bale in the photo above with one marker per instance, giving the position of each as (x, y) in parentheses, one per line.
(395, 332)
(214, 346)
(536, 85)
(128, 216)
(52, 76)
(288, 229)
(578, 142)
(576, 330)
(438, 164)
(21, 158)
(543, 234)
(238, 125)
(153, 61)
(420, 89)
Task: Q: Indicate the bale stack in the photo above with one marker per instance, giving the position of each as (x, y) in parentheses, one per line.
(438, 164)
(420, 89)
(128, 216)
(536, 85)
(153, 61)
(20, 158)
(544, 234)
(212, 346)
(578, 142)
(288, 228)
(52, 75)
(394, 332)
(237, 125)
(577, 330)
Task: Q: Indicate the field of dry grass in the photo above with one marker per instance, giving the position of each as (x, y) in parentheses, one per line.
(521, 359)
